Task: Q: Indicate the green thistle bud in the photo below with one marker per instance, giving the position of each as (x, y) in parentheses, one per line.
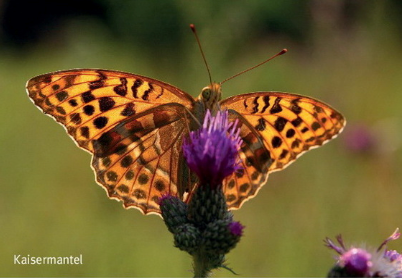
(187, 238)
(174, 212)
(221, 236)
(207, 205)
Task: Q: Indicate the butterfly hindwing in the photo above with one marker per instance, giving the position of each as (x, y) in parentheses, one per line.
(139, 159)
(288, 124)
(254, 160)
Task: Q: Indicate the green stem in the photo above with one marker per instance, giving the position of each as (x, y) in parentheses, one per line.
(201, 265)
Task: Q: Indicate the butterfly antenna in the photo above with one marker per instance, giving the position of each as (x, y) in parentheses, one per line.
(283, 51)
(192, 26)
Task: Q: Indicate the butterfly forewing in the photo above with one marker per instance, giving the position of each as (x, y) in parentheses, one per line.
(91, 102)
(288, 124)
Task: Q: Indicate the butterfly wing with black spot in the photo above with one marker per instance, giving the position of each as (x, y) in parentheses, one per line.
(254, 162)
(99, 107)
(89, 102)
(287, 125)
(141, 158)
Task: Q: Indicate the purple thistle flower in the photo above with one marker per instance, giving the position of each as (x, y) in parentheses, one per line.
(212, 151)
(356, 261)
(359, 139)
(236, 228)
(393, 255)
(363, 262)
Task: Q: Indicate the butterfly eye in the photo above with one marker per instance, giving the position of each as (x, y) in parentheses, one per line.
(206, 93)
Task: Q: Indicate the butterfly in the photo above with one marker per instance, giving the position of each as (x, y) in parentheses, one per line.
(134, 127)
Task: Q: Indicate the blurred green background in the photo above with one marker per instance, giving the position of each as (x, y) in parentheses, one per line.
(346, 53)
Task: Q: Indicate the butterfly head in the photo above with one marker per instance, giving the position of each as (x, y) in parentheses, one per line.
(210, 97)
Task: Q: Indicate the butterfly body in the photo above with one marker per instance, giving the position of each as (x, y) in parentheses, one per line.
(210, 97)
(134, 127)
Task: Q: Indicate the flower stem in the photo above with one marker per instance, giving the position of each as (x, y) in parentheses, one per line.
(201, 268)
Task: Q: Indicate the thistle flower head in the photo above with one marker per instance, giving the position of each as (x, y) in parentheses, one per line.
(360, 139)
(236, 228)
(211, 151)
(364, 262)
(204, 227)
(357, 261)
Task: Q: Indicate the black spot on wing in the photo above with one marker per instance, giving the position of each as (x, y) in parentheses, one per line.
(295, 106)
(255, 107)
(280, 123)
(75, 118)
(128, 110)
(276, 142)
(296, 122)
(89, 109)
(84, 130)
(87, 97)
(261, 124)
(122, 88)
(290, 133)
(126, 161)
(143, 178)
(315, 126)
(61, 95)
(266, 103)
(100, 122)
(73, 102)
(145, 96)
(136, 85)
(276, 108)
(106, 103)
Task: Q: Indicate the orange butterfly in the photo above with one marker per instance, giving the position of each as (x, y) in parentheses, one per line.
(134, 127)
